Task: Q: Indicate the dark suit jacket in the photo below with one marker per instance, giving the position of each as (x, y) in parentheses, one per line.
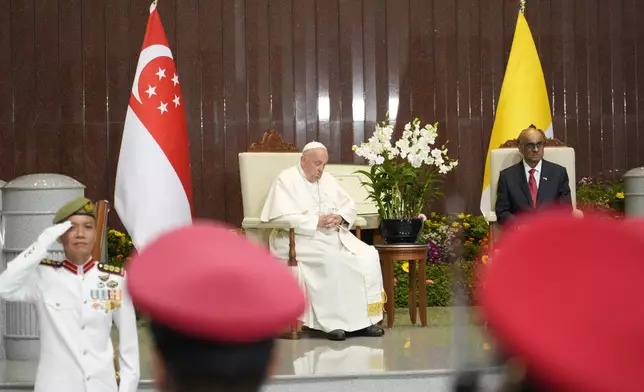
(513, 194)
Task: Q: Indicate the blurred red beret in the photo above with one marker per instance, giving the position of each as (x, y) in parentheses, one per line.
(208, 282)
(635, 224)
(565, 296)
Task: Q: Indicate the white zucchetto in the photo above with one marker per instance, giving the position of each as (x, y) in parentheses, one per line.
(313, 145)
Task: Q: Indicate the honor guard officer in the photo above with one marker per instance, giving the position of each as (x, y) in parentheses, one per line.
(215, 303)
(563, 298)
(77, 301)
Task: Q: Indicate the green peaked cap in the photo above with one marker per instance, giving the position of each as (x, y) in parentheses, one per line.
(79, 206)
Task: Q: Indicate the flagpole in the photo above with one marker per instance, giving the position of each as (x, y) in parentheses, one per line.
(522, 6)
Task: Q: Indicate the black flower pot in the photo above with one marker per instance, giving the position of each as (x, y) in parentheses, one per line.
(401, 231)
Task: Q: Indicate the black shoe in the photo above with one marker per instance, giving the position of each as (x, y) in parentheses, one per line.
(336, 334)
(373, 331)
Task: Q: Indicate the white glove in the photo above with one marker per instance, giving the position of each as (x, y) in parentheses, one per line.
(51, 234)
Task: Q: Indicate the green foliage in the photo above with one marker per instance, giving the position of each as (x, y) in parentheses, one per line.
(458, 245)
(441, 279)
(602, 195)
(400, 190)
(119, 247)
(453, 237)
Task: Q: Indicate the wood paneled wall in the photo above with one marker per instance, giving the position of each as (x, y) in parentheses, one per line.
(313, 69)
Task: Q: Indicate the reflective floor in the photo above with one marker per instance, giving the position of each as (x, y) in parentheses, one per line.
(452, 336)
(404, 348)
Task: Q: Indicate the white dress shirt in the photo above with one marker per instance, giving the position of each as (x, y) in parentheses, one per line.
(76, 307)
(537, 172)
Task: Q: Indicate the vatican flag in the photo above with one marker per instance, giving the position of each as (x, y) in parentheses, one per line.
(523, 99)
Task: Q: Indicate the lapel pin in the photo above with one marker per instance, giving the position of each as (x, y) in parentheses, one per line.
(545, 178)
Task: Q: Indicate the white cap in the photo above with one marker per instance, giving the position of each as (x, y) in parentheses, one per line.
(313, 145)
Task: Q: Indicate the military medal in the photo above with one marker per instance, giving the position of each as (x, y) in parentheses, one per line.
(104, 278)
(106, 299)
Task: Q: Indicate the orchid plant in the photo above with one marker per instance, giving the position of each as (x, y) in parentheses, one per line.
(404, 176)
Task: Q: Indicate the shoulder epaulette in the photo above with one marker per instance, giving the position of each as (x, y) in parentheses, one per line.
(112, 269)
(52, 263)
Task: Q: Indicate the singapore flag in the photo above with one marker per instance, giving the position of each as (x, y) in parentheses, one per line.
(153, 191)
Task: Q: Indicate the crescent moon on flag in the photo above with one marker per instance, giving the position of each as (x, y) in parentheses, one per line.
(147, 55)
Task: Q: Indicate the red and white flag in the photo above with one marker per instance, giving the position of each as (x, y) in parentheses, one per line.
(153, 191)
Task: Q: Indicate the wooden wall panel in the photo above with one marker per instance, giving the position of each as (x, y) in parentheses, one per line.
(314, 70)
(212, 107)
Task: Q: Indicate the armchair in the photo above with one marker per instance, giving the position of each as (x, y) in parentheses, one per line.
(260, 166)
(508, 154)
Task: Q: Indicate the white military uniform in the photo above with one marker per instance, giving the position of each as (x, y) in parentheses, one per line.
(76, 307)
(340, 273)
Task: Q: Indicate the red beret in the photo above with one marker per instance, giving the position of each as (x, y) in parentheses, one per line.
(635, 224)
(565, 296)
(208, 282)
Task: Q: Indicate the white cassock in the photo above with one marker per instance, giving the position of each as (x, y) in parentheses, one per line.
(340, 273)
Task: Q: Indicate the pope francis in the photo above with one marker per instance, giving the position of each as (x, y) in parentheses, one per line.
(341, 274)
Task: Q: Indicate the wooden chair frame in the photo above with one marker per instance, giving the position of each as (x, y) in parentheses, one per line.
(102, 212)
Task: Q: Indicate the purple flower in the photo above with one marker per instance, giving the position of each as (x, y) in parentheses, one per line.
(434, 254)
(422, 216)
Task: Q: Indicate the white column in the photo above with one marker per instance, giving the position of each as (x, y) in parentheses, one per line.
(29, 205)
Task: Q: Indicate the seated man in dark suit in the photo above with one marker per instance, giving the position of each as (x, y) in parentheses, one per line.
(532, 183)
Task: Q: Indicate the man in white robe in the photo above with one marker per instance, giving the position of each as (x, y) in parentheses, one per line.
(341, 274)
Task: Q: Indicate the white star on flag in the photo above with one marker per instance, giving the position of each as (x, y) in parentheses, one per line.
(176, 101)
(160, 73)
(163, 107)
(151, 91)
(175, 79)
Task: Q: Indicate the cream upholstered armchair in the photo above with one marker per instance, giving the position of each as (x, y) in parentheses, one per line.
(508, 154)
(259, 167)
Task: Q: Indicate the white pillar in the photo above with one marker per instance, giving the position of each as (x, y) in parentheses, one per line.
(634, 193)
(30, 204)
(3, 312)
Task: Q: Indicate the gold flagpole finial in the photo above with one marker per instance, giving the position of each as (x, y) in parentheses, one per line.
(522, 6)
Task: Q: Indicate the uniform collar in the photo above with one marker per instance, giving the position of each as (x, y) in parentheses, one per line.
(73, 268)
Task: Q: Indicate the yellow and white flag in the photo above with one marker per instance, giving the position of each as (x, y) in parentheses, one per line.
(523, 99)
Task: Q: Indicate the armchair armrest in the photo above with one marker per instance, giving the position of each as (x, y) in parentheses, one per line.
(360, 222)
(256, 223)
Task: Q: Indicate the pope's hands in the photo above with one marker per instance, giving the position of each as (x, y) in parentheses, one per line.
(335, 220)
(329, 221)
(52, 233)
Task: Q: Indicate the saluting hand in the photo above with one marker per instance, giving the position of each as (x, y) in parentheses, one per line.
(52, 233)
